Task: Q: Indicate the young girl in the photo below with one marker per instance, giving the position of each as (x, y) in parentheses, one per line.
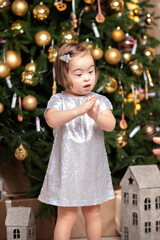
(78, 173)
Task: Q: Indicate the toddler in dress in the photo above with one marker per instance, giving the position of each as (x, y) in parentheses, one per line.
(78, 174)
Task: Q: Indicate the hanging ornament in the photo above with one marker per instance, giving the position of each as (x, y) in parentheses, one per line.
(31, 67)
(52, 54)
(1, 107)
(123, 124)
(69, 36)
(134, 17)
(89, 1)
(21, 153)
(13, 59)
(73, 15)
(4, 5)
(121, 139)
(128, 44)
(138, 106)
(136, 67)
(41, 11)
(99, 17)
(60, 5)
(126, 56)
(149, 130)
(117, 35)
(29, 103)
(17, 28)
(4, 70)
(88, 44)
(112, 56)
(42, 38)
(27, 77)
(20, 115)
(19, 7)
(110, 84)
(97, 53)
(150, 53)
(116, 5)
(149, 19)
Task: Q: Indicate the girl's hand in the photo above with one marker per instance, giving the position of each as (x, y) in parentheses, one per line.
(86, 106)
(156, 151)
(93, 111)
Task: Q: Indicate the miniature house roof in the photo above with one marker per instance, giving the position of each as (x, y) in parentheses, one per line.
(19, 216)
(146, 176)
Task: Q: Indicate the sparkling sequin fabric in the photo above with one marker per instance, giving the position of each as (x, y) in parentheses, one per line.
(78, 173)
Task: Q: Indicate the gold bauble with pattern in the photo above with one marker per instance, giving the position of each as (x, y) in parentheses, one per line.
(136, 67)
(69, 36)
(52, 54)
(42, 38)
(4, 70)
(150, 53)
(110, 84)
(17, 28)
(149, 130)
(116, 5)
(97, 53)
(29, 103)
(41, 11)
(27, 77)
(19, 7)
(117, 35)
(126, 56)
(30, 67)
(89, 1)
(112, 56)
(4, 5)
(121, 139)
(13, 59)
(21, 153)
(1, 107)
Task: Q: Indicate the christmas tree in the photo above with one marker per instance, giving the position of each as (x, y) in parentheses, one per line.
(118, 34)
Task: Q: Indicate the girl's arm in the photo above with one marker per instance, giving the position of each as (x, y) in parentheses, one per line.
(106, 120)
(57, 118)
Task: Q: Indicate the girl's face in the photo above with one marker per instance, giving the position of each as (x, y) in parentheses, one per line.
(81, 74)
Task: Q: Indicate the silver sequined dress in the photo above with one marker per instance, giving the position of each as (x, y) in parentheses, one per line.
(78, 173)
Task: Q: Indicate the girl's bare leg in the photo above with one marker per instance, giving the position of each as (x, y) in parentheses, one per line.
(92, 222)
(65, 220)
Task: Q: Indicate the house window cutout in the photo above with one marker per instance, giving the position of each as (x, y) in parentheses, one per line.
(135, 218)
(130, 180)
(157, 203)
(147, 228)
(157, 226)
(29, 233)
(126, 197)
(147, 204)
(33, 232)
(126, 233)
(16, 234)
(135, 199)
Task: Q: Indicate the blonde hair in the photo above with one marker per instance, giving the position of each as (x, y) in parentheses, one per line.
(61, 67)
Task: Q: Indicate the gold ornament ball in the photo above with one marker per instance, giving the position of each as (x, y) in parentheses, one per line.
(89, 1)
(149, 19)
(97, 53)
(13, 59)
(4, 70)
(121, 139)
(42, 38)
(88, 44)
(69, 36)
(138, 106)
(30, 67)
(150, 53)
(19, 7)
(117, 35)
(112, 56)
(27, 77)
(29, 103)
(127, 56)
(17, 27)
(136, 67)
(149, 130)
(4, 5)
(21, 153)
(52, 54)
(41, 11)
(1, 107)
(110, 84)
(89, 8)
(116, 5)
